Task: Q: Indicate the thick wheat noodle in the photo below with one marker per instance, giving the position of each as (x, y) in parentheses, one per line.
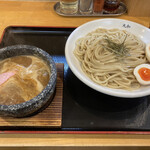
(102, 66)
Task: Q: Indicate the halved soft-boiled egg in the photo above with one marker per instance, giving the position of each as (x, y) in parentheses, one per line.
(148, 51)
(142, 74)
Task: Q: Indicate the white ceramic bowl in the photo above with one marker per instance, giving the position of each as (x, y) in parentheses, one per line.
(140, 31)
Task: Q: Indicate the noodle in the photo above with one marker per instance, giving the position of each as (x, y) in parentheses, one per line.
(106, 68)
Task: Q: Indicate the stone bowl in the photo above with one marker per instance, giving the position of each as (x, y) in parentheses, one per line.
(42, 100)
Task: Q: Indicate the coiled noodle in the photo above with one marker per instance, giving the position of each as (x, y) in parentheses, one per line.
(106, 68)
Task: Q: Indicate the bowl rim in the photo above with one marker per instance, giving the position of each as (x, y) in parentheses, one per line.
(102, 89)
(44, 92)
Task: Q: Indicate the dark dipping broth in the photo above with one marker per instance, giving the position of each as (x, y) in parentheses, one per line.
(22, 78)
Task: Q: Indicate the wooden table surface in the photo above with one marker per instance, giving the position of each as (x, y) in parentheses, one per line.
(42, 14)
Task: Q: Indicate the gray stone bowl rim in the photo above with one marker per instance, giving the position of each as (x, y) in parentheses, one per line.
(45, 90)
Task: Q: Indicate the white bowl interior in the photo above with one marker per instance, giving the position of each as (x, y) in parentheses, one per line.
(140, 31)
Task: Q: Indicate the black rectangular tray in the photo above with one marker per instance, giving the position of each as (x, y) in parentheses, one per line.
(83, 107)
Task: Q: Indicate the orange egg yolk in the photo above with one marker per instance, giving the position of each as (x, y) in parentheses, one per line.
(144, 74)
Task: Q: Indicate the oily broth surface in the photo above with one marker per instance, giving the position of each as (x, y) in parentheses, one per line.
(31, 77)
